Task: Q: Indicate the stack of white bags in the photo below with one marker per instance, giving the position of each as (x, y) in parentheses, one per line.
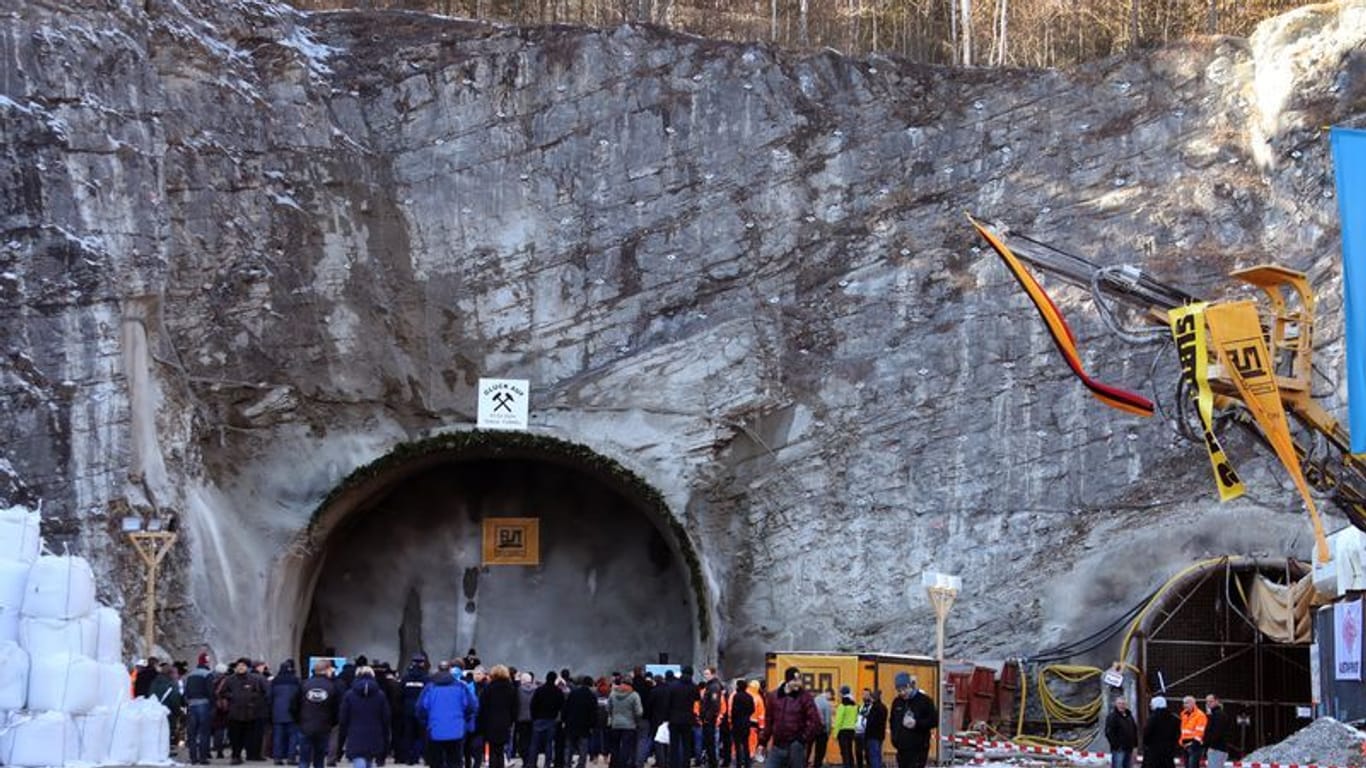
(64, 692)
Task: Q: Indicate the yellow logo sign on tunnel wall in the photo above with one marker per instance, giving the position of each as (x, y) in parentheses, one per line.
(512, 541)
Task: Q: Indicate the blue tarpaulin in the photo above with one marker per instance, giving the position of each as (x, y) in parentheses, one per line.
(1349, 157)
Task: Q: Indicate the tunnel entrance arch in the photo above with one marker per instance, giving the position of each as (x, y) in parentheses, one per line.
(1206, 631)
(390, 561)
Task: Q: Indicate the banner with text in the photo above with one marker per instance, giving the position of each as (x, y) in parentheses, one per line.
(512, 541)
(1347, 640)
(1237, 334)
(503, 403)
(1188, 329)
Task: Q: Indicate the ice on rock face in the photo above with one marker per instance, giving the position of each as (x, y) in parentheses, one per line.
(314, 52)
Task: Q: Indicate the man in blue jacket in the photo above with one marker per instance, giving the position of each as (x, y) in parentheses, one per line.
(285, 688)
(448, 709)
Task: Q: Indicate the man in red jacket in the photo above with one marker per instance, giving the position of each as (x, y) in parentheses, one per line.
(791, 723)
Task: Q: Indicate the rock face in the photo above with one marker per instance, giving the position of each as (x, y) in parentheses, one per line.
(247, 251)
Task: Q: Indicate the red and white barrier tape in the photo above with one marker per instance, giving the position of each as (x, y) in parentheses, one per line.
(983, 744)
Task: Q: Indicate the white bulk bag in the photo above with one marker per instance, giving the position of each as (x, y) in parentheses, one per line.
(59, 588)
(154, 733)
(123, 736)
(13, 676)
(13, 582)
(36, 740)
(19, 538)
(74, 637)
(114, 686)
(63, 683)
(9, 625)
(108, 635)
(96, 731)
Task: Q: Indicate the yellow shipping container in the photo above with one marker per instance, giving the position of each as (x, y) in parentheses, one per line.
(876, 671)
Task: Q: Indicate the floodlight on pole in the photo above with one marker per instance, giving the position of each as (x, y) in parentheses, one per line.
(153, 539)
(942, 589)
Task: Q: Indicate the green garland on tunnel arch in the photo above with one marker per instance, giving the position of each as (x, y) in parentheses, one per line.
(492, 444)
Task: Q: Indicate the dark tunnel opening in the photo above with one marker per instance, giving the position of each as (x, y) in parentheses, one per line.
(402, 573)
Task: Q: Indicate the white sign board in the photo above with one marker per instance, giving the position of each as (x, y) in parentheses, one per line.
(1315, 684)
(1347, 640)
(503, 403)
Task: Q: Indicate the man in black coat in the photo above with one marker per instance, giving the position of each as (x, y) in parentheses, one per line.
(319, 705)
(245, 692)
(412, 739)
(498, 705)
(914, 717)
(393, 693)
(657, 709)
(142, 682)
(580, 715)
(1216, 732)
(546, 704)
(1122, 733)
(1161, 735)
(683, 698)
(712, 692)
(741, 720)
(875, 729)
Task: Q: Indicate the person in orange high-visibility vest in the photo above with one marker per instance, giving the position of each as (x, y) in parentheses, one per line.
(723, 745)
(1193, 723)
(757, 719)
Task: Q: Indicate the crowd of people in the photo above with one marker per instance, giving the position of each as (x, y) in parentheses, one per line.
(1192, 736)
(460, 714)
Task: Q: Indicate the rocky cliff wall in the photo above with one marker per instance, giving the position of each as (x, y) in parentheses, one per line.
(245, 251)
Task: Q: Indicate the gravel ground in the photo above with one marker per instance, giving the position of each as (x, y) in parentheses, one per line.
(1323, 742)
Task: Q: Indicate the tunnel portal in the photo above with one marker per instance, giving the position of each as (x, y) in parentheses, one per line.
(401, 571)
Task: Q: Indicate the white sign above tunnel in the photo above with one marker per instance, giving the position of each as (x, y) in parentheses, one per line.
(503, 403)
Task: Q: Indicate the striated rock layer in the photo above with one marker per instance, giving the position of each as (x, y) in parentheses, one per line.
(246, 251)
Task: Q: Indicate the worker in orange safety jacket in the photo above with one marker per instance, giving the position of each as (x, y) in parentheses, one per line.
(1193, 723)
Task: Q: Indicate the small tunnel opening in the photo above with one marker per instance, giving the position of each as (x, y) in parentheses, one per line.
(403, 572)
(1205, 636)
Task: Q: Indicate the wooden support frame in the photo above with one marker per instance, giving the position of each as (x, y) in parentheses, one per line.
(152, 547)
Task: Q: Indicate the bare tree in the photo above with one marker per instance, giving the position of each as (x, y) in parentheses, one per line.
(953, 31)
(1133, 25)
(967, 33)
(1042, 33)
(1003, 46)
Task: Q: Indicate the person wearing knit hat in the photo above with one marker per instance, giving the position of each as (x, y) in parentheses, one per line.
(199, 706)
(914, 717)
(791, 723)
(1161, 734)
(846, 721)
